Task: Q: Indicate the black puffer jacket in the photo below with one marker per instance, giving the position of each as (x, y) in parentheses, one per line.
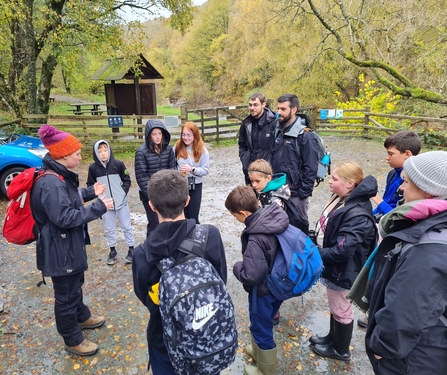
(148, 162)
(60, 218)
(259, 246)
(263, 132)
(348, 239)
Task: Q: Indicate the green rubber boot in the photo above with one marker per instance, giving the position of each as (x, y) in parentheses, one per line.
(266, 363)
(252, 350)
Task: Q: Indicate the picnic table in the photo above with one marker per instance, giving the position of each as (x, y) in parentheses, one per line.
(82, 108)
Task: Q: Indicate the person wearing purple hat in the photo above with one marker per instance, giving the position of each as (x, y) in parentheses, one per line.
(61, 218)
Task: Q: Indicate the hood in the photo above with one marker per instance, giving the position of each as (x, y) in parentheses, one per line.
(152, 124)
(96, 156)
(166, 238)
(269, 219)
(364, 191)
(278, 180)
(295, 129)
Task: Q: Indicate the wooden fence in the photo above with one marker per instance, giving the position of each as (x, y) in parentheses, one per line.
(219, 123)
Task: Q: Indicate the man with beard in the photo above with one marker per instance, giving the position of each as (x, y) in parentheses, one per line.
(295, 151)
(255, 133)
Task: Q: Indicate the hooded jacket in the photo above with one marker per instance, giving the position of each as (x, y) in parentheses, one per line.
(407, 297)
(60, 219)
(263, 132)
(301, 170)
(259, 246)
(348, 240)
(148, 162)
(162, 243)
(112, 173)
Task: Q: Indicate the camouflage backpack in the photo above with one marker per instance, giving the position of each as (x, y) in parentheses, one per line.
(199, 329)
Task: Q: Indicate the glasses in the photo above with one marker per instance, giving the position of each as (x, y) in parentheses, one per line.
(184, 135)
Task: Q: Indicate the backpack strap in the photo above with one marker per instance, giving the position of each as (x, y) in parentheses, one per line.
(191, 247)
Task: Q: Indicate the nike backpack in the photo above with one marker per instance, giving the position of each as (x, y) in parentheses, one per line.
(199, 328)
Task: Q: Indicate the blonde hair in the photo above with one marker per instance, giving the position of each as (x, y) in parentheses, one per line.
(260, 166)
(350, 171)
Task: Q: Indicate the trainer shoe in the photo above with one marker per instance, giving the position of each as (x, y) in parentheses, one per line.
(276, 319)
(363, 323)
(112, 258)
(93, 322)
(84, 348)
(128, 258)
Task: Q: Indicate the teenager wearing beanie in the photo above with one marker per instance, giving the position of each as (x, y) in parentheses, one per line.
(407, 292)
(61, 218)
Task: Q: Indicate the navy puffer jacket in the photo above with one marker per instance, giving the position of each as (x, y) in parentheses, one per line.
(148, 162)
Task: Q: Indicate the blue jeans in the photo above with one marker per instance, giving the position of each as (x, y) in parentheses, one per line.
(261, 322)
(161, 364)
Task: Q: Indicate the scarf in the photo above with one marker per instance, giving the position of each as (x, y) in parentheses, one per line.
(403, 216)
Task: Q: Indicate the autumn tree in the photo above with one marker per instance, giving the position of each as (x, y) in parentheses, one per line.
(40, 34)
(402, 43)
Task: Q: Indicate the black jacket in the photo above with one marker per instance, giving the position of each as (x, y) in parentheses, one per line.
(148, 162)
(112, 173)
(60, 218)
(259, 246)
(349, 240)
(263, 132)
(407, 296)
(301, 170)
(162, 243)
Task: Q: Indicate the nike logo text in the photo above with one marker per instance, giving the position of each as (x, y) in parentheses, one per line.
(202, 315)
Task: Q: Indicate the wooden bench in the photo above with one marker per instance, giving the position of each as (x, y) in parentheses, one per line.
(51, 99)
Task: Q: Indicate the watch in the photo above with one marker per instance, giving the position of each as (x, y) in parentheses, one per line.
(193, 170)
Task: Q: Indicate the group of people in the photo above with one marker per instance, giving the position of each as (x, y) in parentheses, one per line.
(397, 276)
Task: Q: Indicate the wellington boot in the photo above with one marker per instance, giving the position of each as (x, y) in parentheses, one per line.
(84, 348)
(324, 340)
(93, 322)
(339, 348)
(266, 363)
(252, 349)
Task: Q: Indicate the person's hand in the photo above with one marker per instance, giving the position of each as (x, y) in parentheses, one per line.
(377, 356)
(107, 201)
(99, 188)
(185, 168)
(377, 199)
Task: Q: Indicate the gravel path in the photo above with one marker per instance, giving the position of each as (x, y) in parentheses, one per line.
(30, 344)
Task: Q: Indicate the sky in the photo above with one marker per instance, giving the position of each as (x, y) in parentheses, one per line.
(140, 16)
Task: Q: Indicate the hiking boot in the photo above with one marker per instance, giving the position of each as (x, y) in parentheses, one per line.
(84, 348)
(128, 258)
(93, 322)
(112, 258)
(276, 319)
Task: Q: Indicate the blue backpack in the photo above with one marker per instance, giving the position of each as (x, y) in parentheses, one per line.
(297, 265)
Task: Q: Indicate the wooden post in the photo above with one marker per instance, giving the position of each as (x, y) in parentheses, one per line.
(84, 128)
(217, 125)
(202, 124)
(183, 113)
(366, 123)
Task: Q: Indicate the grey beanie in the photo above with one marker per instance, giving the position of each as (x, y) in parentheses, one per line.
(428, 171)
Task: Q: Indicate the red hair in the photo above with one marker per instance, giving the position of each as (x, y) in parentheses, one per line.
(197, 145)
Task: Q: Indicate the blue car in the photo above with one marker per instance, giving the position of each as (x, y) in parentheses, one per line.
(17, 153)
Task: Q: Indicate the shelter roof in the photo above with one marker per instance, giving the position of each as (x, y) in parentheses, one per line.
(121, 68)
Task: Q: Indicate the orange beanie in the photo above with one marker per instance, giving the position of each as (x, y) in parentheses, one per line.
(58, 142)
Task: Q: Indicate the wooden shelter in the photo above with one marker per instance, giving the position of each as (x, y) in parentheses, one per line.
(128, 99)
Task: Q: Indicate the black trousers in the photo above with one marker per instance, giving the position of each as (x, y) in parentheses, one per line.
(192, 210)
(69, 308)
(152, 218)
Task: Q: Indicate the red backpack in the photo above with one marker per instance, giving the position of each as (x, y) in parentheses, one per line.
(19, 221)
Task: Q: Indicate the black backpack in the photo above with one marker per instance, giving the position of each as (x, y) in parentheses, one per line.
(199, 328)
